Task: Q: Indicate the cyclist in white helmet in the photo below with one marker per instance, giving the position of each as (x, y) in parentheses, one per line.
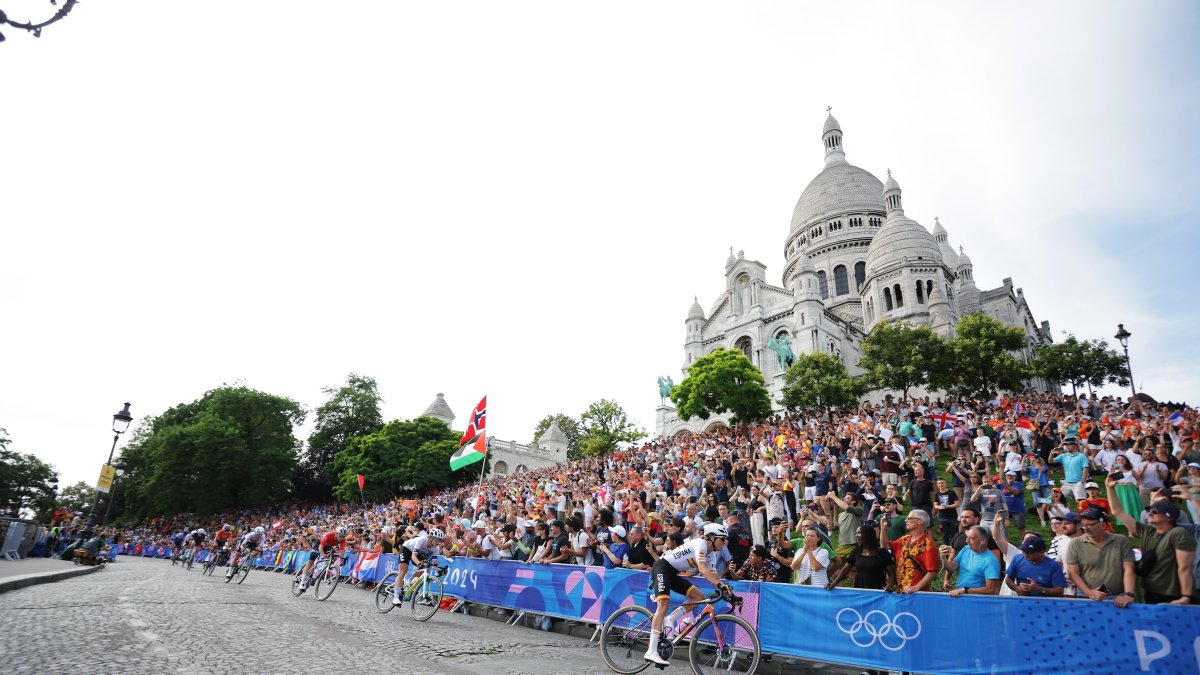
(664, 578)
(250, 543)
(420, 549)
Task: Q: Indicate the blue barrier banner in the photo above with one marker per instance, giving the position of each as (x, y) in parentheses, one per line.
(934, 633)
(568, 591)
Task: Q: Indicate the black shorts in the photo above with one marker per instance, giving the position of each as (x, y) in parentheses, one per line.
(664, 578)
(406, 554)
(250, 546)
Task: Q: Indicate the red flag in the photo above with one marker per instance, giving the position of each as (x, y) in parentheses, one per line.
(276, 525)
(476, 423)
(361, 482)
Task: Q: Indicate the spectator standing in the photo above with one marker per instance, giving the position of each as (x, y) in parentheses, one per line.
(1100, 563)
(977, 569)
(810, 564)
(1014, 500)
(758, 566)
(1167, 551)
(915, 553)
(1033, 573)
(946, 507)
(613, 554)
(869, 565)
(1074, 463)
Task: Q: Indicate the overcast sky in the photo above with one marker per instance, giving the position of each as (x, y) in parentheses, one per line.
(521, 199)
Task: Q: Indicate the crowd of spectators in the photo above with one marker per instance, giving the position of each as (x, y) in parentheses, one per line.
(1038, 495)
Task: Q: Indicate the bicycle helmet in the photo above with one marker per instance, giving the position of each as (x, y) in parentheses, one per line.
(435, 533)
(341, 532)
(259, 529)
(201, 531)
(227, 527)
(715, 530)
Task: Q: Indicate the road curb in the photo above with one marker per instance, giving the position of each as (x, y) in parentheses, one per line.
(22, 581)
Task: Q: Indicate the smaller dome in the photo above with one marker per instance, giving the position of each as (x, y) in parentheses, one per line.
(963, 260)
(937, 227)
(696, 312)
(890, 184)
(553, 435)
(898, 240)
(731, 260)
(806, 265)
(831, 124)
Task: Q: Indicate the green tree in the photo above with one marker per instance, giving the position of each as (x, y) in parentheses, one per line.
(900, 356)
(570, 428)
(402, 456)
(605, 424)
(723, 381)
(1065, 362)
(351, 411)
(27, 484)
(233, 448)
(77, 497)
(819, 381)
(1105, 365)
(982, 358)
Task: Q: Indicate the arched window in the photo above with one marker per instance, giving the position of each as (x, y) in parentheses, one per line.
(899, 296)
(840, 284)
(823, 282)
(887, 299)
(745, 347)
(521, 468)
(928, 287)
(500, 468)
(860, 274)
(920, 292)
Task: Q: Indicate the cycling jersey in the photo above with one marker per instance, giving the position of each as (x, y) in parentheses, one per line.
(419, 545)
(223, 537)
(198, 538)
(253, 539)
(330, 539)
(687, 556)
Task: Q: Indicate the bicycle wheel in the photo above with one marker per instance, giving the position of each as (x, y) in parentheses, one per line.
(383, 594)
(296, 582)
(244, 570)
(230, 574)
(427, 598)
(624, 639)
(738, 650)
(327, 582)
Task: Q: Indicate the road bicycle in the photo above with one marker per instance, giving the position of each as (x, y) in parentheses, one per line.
(424, 593)
(213, 561)
(297, 590)
(245, 562)
(327, 573)
(188, 558)
(718, 642)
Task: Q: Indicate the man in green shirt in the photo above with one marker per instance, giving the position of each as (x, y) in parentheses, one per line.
(1172, 549)
(1100, 563)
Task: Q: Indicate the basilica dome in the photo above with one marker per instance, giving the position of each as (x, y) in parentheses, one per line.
(839, 188)
(901, 238)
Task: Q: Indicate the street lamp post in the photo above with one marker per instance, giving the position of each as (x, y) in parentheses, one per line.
(112, 492)
(120, 425)
(1123, 337)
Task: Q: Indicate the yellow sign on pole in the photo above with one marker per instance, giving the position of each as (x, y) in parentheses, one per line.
(107, 474)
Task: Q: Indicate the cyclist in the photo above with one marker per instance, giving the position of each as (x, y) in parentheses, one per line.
(334, 539)
(664, 578)
(197, 542)
(421, 548)
(178, 540)
(250, 543)
(221, 541)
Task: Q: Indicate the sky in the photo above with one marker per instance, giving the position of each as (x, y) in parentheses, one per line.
(522, 199)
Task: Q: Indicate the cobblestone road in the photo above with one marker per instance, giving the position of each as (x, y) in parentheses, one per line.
(145, 616)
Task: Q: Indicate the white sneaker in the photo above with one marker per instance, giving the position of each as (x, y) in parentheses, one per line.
(653, 657)
(396, 602)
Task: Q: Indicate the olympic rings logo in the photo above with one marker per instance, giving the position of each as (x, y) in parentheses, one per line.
(891, 633)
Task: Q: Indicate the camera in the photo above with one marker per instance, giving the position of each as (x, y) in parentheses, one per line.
(1117, 475)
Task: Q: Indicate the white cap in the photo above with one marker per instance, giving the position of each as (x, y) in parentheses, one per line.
(617, 530)
(480, 525)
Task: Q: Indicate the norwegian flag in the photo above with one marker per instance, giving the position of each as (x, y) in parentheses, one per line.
(477, 423)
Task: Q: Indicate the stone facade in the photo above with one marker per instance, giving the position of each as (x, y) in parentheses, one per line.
(852, 259)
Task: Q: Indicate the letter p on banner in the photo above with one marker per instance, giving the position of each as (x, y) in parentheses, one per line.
(1144, 658)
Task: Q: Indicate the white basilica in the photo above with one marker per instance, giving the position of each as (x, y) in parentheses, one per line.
(853, 258)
